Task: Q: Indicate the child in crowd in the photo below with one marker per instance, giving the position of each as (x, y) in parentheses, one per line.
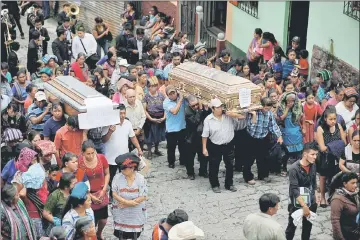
(289, 64)
(52, 184)
(277, 68)
(304, 64)
(5, 71)
(312, 111)
(295, 45)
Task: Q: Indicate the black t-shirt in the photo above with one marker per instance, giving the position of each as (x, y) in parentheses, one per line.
(51, 126)
(356, 157)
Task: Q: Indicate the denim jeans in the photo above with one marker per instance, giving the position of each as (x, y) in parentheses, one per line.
(104, 46)
(46, 9)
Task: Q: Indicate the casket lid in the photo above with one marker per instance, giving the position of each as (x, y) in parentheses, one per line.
(214, 78)
(73, 92)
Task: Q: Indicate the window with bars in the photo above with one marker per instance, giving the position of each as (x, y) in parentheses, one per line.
(352, 9)
(250, 7)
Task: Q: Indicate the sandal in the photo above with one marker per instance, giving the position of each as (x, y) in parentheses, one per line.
(283, 174)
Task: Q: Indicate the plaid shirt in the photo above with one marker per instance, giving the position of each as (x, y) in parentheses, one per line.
(265, 122)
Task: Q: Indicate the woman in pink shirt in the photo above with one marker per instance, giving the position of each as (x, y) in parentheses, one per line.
(268, 42)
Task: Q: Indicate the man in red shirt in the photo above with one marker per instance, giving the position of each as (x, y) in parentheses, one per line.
(68, 138)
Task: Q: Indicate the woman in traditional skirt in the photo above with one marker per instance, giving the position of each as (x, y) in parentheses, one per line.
(290, 114)
(154, 127)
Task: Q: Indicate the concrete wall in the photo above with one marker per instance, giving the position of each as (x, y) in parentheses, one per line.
(272, 17)
(326, 22)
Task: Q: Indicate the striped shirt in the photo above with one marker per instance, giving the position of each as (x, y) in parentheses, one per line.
(265, 122)
(219, 131)
(69, 221)
(35, 111)
(130, 219)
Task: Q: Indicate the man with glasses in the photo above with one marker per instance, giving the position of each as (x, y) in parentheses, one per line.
(195, 113)
(39, 112)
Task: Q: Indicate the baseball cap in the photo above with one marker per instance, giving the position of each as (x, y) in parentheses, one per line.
(123, 62)
(215, 102)
(296, 39)
(170, 88)
(40, 96)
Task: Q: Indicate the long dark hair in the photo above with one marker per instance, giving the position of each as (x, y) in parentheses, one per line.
(328, 110)
(32, 195)
(72, 203)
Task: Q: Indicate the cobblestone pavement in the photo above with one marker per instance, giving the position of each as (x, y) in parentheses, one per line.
(221, 216)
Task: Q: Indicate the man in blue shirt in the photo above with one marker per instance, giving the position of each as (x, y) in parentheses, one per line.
(174, 107)
(39, 112)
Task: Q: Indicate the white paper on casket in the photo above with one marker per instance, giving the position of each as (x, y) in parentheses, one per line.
(244, 97)
(99, 113)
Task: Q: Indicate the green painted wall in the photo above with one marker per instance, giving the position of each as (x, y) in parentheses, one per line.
(326, 22)
(271, 18)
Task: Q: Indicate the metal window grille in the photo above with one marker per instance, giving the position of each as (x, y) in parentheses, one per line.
(352, 9)
(250, 7)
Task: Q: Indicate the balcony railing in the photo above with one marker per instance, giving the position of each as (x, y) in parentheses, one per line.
(352, 9)
(250, 7)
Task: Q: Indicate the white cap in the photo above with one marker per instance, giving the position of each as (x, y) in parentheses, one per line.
(123, 62)
(185, 231)
(40, 96)
(215, 102)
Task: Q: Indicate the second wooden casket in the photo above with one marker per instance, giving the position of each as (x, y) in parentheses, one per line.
(72, 93)
(207, 83)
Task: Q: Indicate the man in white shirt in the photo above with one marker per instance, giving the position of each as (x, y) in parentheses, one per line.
(136, 114)
(115, 140)
(84, 43)
(261, 226)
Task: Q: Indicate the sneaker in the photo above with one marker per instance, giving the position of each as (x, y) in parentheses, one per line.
(216, 190)
(251, 182)
(231, 188)
(22, 36)
(171, 165)
(191, 177)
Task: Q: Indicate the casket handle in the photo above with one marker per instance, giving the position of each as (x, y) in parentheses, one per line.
(197, 92)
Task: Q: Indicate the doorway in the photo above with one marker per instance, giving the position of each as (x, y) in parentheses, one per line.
(298, 21)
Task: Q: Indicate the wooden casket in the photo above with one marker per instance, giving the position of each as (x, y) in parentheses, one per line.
(72, 93)
(207, 83)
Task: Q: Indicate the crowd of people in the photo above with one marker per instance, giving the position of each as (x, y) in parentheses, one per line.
(60, 182)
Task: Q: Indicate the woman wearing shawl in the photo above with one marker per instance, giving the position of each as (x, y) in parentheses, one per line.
(291, 115)
(15, 221)
(122, 85)
(46, 150)
(36, 195)
(21, 164)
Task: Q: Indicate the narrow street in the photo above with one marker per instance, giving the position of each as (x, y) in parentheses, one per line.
(220, 216)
